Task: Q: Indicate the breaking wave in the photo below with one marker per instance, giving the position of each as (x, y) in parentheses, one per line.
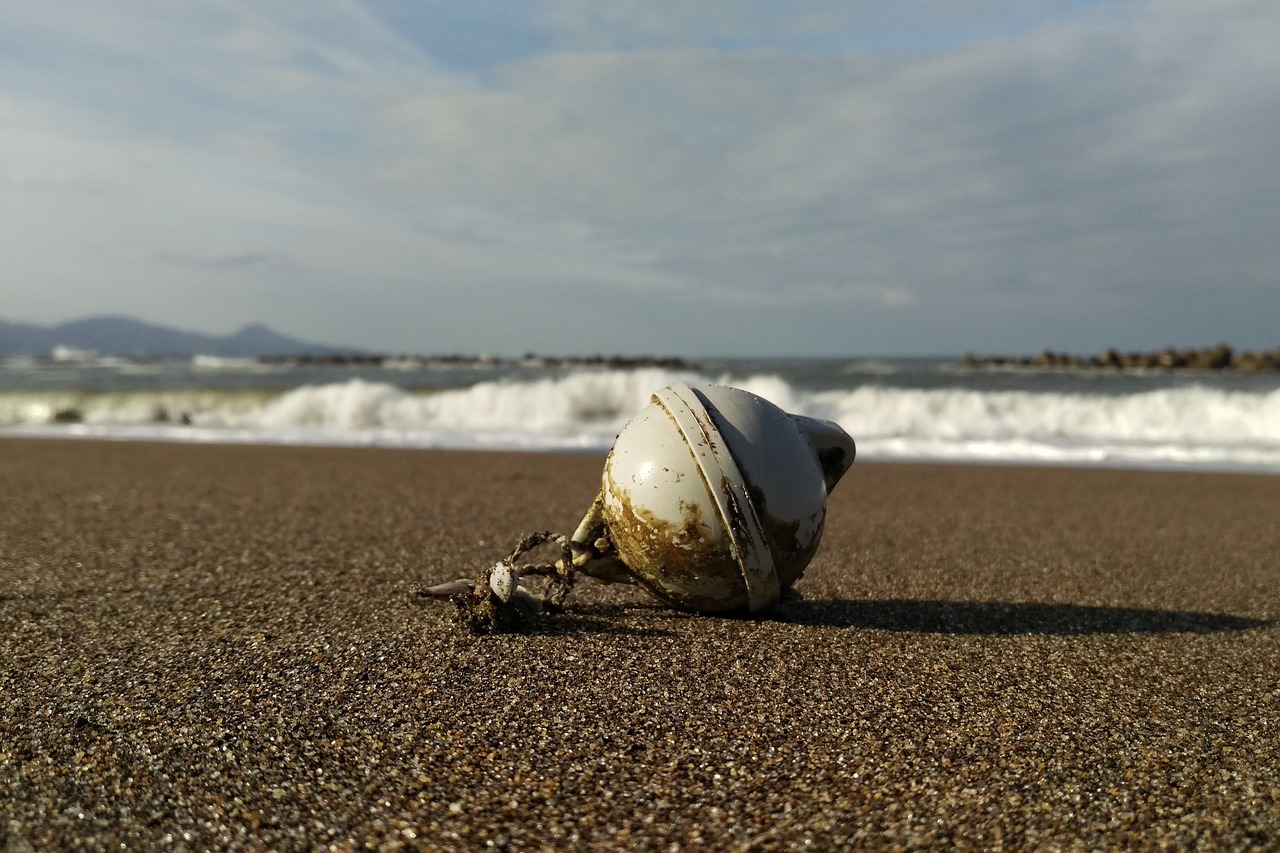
(1190, 426)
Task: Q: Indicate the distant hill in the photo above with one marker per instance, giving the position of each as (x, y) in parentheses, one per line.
(125, 336)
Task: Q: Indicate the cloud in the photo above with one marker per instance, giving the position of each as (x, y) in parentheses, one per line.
(1074, 156)
(815, 27)
(917, 179)
(234, 261)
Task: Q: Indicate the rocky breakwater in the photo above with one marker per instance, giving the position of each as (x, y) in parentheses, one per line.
(1221, 357)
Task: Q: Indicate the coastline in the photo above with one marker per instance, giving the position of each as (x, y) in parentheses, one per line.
(217, 645)
(904, 409)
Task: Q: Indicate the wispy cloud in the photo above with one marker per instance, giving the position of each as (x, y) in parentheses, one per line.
(857, 176)
(237, 262)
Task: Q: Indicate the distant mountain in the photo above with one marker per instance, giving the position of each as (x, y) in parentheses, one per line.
(124, 336)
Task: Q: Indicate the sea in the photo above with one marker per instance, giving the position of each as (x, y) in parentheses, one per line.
(896, 409)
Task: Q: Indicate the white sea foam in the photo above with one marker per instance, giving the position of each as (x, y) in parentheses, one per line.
(229, 364)
(1192, 415)
(1179, 427)
(61, 352)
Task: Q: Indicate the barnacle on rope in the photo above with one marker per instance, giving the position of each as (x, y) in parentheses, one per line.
(496, 602)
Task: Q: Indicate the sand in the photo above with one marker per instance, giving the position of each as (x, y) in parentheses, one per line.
(217, 647)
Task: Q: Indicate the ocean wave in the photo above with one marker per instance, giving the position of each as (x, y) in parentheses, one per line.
(1191, 426)
(1192, 415)
(232, 364)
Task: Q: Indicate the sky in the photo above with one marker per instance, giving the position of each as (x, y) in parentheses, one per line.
(818, 177)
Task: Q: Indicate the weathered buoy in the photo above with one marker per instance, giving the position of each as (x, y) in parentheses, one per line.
(712, 498)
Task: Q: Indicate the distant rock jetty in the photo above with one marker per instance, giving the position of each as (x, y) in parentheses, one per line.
(1221, 357)
(455, 360)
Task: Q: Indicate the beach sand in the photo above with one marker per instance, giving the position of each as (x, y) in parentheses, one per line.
(217, 647)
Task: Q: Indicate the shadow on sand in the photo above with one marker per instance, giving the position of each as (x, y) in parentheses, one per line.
(1005, 618)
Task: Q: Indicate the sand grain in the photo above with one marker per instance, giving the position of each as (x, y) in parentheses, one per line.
(216, 647)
